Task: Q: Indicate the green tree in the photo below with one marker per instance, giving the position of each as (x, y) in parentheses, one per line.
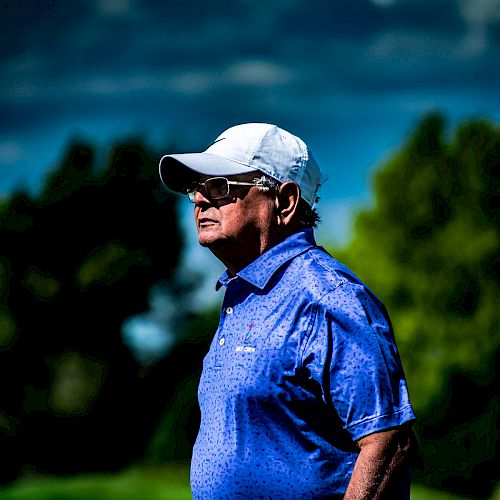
(430, 248)
(76, 261)
(177, 429)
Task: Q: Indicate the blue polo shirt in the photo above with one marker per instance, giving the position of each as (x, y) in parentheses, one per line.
(303, 364)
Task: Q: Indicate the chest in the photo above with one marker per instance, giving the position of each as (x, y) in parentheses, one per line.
(257, 347)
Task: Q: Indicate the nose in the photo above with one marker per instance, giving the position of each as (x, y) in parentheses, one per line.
(200, 198)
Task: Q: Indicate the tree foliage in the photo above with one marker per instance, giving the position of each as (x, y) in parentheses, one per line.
(76, 261)
(430, 248)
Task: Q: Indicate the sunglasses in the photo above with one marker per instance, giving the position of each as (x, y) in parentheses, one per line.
(217, 188)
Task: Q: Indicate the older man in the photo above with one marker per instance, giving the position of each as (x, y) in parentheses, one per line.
(302, 393)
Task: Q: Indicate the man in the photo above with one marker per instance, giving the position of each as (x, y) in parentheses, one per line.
(302, 393)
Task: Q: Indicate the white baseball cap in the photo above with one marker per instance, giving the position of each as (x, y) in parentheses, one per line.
(247, 148)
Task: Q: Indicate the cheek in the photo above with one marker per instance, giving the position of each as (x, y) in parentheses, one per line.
(246, 217)
(254, 219)
(233, 222)
(264, 214)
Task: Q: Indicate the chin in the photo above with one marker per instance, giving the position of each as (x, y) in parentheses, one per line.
(206, 241)
(214, 243)
(208, 236)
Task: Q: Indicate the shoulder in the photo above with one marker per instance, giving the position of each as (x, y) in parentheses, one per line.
(338, 295)
(326, 278)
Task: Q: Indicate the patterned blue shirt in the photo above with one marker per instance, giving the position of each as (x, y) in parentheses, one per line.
(303, 364)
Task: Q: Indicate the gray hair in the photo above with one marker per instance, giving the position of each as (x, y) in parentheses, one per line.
(309, 216)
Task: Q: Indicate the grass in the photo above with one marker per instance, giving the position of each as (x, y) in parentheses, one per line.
(419, 492)
(139, 483)
(165, 483)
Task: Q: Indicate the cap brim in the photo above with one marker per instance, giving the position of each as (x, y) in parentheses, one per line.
(178, 171)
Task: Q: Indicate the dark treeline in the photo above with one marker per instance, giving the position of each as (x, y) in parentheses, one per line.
(76, 261)
(81, 257)
(430, 248)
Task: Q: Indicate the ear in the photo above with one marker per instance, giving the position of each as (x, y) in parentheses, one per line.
(287, 201)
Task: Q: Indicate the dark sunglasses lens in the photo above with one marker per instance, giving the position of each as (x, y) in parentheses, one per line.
(216, 188)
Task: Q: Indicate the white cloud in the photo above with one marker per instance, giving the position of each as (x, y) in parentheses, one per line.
(410, 48)
(189, 81)
(384, 3)
(106, 85)
(258, 73)
(254, 72)
(27, 80)
(421, 52)
(192, 82)
(478, 16)
(21, 75)
(10, 152)
(114, 8)
(480, 11)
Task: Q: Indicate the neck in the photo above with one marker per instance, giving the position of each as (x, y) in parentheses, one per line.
(238, 255)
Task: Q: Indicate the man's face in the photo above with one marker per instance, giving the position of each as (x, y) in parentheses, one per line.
(242, 222)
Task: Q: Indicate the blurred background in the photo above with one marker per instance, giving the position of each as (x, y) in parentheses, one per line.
(107, 305)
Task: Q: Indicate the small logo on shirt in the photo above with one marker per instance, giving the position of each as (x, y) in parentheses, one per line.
(244, 348)
(250, 326)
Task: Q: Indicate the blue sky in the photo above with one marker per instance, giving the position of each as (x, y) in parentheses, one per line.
(351, 77)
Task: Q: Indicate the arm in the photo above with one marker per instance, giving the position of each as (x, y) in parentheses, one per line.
(367, 388)
(382, 465)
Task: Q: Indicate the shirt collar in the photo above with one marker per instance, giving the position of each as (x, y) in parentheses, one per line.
(261, 270)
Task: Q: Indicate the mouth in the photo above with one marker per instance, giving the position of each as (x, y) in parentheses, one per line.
(206, 222)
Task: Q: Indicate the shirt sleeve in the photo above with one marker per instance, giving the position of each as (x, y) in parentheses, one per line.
(352, 354)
